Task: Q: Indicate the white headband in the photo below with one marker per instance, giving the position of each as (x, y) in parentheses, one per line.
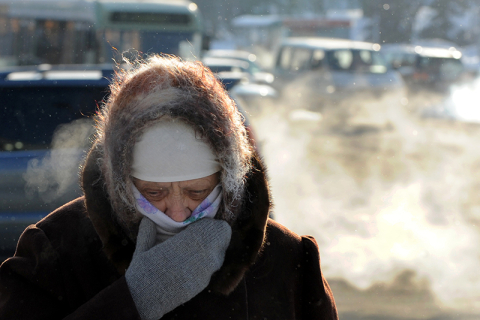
(169, 151)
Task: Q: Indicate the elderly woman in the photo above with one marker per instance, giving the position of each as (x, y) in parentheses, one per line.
(174, 221)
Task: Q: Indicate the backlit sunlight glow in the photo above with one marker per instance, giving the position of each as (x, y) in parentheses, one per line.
(464, 99)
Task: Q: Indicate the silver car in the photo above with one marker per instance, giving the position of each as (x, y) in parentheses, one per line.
(321, 70)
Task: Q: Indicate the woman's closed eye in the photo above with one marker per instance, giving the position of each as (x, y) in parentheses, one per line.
(198, 194)
(155, 194)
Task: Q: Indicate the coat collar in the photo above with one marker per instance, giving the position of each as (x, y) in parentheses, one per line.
(248, 230)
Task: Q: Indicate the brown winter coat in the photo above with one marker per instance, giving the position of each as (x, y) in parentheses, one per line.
(71, 265)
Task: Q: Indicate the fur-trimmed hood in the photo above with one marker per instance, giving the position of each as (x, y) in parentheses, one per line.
(185, 91)
(167, 87)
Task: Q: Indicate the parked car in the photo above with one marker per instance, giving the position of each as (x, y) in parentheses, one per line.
(230, 71)
(426, 67)
(259, 75)
(45, 129)
(249, 95)
(44, 126)
(254, 96)
(322, 70)
(239, 81)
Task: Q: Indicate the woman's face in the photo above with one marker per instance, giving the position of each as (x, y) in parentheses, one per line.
(177, 199)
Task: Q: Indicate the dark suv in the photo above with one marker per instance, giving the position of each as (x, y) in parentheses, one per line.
(45, 128)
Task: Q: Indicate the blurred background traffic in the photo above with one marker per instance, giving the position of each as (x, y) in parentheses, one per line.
(365, 111)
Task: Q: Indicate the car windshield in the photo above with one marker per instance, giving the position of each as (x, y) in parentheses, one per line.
(356, 61)
(30, 115)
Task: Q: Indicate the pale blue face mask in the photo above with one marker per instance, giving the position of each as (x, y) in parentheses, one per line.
(167, 227)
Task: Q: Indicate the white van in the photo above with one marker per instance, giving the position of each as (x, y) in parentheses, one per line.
(326, 70)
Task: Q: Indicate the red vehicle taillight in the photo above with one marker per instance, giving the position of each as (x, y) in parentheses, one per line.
(423, 76)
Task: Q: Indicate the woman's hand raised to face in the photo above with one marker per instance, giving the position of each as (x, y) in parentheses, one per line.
(166, 275)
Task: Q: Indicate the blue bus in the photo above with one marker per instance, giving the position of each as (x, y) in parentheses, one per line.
(34, 32)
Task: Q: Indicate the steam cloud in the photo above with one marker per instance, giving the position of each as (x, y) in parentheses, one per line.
(383, 190)
(55, 174)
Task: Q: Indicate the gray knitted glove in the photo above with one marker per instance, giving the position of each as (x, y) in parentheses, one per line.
(162, 277)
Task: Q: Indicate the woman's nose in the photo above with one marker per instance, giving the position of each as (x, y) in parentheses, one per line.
(177, 207)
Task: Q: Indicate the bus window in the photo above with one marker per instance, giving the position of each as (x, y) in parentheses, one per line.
(120, 40)
(22, 42)
(5, 39)
(146, 41)
(49, 39)
(87, 47)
